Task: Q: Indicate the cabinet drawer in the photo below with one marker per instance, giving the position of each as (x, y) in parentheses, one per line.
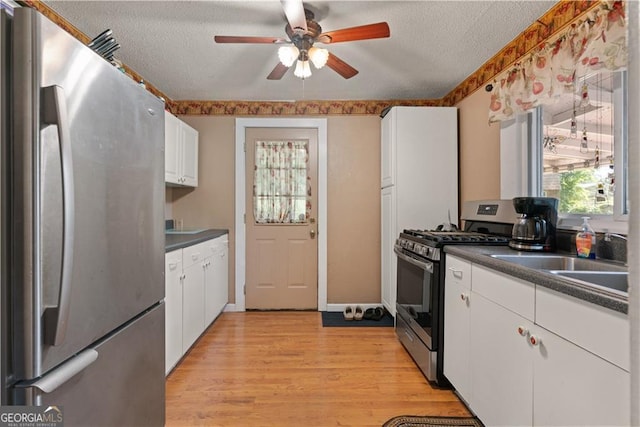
(511, 293)
(195, 253)
(173, 260)
(458, 271)
(216, 245)
(597, 329)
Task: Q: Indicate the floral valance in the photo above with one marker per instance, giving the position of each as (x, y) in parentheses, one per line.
(594, 43)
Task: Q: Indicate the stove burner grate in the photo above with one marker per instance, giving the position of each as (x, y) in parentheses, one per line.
(430, 237)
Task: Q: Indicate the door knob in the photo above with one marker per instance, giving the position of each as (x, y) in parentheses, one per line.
(312, 233)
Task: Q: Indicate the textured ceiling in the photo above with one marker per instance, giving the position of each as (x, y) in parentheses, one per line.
(434, 45)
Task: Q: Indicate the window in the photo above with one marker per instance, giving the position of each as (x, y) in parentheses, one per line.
(583, 141)
(281, 188)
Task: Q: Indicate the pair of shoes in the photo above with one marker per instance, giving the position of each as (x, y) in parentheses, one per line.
(376, 313)
(368, 313)
(350, 314)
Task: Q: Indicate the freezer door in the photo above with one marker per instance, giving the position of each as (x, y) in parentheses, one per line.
(115, 389)
(88, 207)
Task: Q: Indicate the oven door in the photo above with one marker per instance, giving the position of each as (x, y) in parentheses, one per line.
(417, 287)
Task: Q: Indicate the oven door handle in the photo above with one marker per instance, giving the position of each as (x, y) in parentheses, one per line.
(424, 265)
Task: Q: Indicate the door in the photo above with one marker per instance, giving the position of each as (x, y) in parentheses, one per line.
(281, 212)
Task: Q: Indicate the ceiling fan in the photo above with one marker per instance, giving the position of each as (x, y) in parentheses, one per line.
(303, 32)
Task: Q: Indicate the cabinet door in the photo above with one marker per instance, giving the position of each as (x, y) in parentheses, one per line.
(173, 308)
(457, 292)
(189, 137)
(501, 365)
(575, 387)
(387, 153)
(217, 283)
(221, 275)
(388, 261)
(193, 304)
(172, 157)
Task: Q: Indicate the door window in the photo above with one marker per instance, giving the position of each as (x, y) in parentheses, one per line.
(281, 183)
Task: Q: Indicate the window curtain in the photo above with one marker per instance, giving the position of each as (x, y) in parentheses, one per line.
(554, 68)
(281, 186)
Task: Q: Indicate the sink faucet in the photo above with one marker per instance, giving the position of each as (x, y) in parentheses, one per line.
(608, 236)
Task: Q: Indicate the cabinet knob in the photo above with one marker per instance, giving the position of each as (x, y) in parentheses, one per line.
(534, 340)
(464, 297)
(522, 331)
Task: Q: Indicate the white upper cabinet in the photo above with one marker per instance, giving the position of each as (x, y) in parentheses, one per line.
(180, 152)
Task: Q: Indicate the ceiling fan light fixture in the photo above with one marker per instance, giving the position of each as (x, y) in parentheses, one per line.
(303, 70)
(288, 55)
(318, 56)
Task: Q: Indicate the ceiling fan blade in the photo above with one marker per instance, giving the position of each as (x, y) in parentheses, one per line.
(363, 32)
(341, 67)
(294, 11)
(249, 39)
(278, 72)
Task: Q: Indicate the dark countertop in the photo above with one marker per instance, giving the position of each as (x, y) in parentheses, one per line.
(179, 241)
(479, 255)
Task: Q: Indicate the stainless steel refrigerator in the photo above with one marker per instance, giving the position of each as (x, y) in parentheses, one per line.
(82, 187)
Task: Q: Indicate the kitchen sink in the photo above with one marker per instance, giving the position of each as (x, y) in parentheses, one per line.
(560, 263)
(616, 280)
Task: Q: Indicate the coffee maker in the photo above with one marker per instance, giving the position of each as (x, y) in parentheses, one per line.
(535, 229)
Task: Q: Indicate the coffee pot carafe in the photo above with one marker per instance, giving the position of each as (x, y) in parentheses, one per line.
(535, 229)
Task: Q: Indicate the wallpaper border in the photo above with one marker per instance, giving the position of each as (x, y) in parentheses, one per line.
(557, 18)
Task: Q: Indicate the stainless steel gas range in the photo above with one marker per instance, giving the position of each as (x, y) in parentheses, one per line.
(421, 272)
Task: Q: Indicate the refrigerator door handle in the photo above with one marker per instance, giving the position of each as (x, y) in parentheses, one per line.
(54, 112)
(54, 379)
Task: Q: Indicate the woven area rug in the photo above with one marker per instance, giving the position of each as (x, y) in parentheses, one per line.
(416, 421)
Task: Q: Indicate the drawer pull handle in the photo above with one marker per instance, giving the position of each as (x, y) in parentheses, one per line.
(408, 335)
(456, 273)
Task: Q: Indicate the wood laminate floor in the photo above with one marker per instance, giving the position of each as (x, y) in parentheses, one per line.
(285, 369)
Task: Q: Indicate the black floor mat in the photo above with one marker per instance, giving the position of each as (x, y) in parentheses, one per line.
(336, 318)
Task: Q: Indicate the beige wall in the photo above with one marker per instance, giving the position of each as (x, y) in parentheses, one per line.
(353, 209)
(479, 149)
(353, 200)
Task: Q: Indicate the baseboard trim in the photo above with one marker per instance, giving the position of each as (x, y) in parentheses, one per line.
(330, 307)
(341, 307)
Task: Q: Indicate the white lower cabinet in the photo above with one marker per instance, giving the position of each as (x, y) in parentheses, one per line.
(521, 373)
(501, 369)
(192, 296)
(575, 387)
(457, 302)
(196, 291)
(216, 283)
(173, 308)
